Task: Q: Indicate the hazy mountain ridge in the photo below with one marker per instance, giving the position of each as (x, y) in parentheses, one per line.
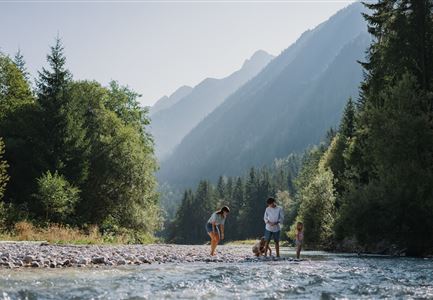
(170, 125)
(272, 114)
(166, 102)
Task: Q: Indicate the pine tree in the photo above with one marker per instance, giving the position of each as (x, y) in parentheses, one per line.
(235, 208)
(221, 191)
(347, 124)
(63, 119)
(182, 222)
(21, 64)
(204, 206)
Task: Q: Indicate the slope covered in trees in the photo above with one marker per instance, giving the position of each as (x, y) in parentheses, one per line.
(169, 126)
(284, 109)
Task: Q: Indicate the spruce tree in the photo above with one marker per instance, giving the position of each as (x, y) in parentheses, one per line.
(63, 119)
(21, 64)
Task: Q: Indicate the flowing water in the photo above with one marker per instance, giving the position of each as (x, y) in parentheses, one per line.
(320, 275)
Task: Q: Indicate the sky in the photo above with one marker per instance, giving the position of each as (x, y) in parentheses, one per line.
(155, 47)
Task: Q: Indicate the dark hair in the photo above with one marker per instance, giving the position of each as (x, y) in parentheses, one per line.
(223, 209)
(270, 200)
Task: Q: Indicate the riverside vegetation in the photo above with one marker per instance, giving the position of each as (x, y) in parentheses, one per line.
(73, 153)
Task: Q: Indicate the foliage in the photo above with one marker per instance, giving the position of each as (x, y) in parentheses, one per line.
(4, 178)
(246, 196)
(77, 136)
(317, 209)
(57, 196)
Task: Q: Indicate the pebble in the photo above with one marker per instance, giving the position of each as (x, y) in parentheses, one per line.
(23, 254)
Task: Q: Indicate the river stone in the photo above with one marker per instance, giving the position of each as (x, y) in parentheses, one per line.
(143, 259)
(83, 261)
(35, 264)
(98, 260)
(66, 263)
(11, 265)
(121, 262)
(28, 259)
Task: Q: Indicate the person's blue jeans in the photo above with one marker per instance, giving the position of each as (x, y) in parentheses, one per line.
(270, 234)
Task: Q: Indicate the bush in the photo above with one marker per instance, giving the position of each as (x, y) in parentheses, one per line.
(57, 196)
(317, 210)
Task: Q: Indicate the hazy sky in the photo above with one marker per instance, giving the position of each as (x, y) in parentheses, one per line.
(156, 46)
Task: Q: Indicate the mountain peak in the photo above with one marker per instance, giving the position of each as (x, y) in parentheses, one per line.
(258, 57)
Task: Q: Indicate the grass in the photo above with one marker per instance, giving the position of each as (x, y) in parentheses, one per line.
(61, 234)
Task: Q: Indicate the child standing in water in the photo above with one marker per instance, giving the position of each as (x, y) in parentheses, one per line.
(299, 238)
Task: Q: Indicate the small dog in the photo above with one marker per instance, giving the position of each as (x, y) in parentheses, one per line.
(260, 248)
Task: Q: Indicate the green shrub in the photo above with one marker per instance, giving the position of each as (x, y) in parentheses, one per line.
(57, 196)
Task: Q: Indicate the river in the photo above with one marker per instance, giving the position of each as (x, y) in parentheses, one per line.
(319, 275)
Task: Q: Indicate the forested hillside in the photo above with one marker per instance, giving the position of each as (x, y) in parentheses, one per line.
(284, 109)
(170, 125)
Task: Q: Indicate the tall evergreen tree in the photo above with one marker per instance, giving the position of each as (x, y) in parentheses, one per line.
(335, 155)
(21, 64)
(180, 231)
(63, 119)
(221, 189)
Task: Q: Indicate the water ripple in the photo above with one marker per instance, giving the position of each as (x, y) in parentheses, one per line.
(324, 277)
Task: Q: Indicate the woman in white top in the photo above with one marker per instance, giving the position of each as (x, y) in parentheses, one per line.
(216, 234)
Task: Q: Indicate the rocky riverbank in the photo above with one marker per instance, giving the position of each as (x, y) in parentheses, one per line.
(43, 255)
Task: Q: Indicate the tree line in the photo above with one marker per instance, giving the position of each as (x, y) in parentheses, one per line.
(245, 195)
(371, 182)
(73, 151)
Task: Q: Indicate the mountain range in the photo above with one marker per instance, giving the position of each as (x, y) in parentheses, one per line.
(285, 108)
(183, 113)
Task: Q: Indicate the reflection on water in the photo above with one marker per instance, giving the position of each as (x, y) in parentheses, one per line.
(319, 276)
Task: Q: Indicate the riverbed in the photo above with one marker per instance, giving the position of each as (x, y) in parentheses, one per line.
(318, 275)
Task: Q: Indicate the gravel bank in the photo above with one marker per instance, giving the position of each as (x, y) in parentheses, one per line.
(42, 255)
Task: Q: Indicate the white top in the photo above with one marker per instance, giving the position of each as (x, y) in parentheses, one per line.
(273, 215)
(217, 218)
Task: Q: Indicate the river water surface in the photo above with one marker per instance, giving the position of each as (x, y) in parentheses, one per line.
(320, 275)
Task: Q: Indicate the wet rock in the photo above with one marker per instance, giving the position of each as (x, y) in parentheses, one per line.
(83, 261)
(66, 263)
(35, 264)
(28, 259)
(121, 262)
(99, 260)
(143, 260)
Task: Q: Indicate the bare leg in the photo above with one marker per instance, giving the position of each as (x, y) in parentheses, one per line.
(214, 240)
(298, 251)
(277, 248)
(266, 247)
